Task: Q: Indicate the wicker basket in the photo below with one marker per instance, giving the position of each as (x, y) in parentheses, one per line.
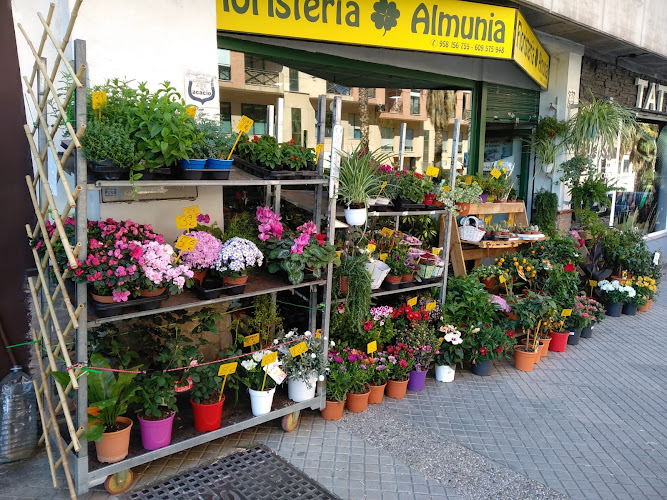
(471, 229)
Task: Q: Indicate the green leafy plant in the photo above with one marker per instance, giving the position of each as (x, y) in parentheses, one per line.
(108, 141)
(413, 186)
(156, 395)
(358, 298)
(486, 342)
(339, 379)
(546, 210)
(548, 139)
(467, 302)
(467, 193)
(358, 177)
(450, 352)
(207, 384)
(485, 272)
(266, 319)
(252, 374)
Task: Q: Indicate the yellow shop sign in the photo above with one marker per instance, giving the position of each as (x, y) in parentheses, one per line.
(445, 26)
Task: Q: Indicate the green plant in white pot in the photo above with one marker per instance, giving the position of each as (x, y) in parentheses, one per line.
(359, 180)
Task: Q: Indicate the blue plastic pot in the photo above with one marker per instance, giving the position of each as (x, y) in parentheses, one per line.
(216, 164)
(193, 164)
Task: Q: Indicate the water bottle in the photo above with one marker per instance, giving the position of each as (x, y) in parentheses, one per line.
(18, 416)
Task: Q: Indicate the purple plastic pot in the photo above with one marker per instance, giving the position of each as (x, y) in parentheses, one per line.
(156, 433)
(483, 197)
(417, 380)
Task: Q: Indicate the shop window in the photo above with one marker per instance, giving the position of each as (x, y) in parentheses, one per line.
(387, 143)
(256, 112)
(293, 80)
(224, 65)
(415, 102)
(355, 126)
(226, 117)
(296, 125)
(409, 140)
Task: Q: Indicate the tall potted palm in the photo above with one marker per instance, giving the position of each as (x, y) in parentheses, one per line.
(358, 181)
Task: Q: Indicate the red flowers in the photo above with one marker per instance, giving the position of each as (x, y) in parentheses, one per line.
(510, 333)
(321, 238)
(482, 351)
(414, 316)
(569, 267)
(368, 325)
(403, 364)
(499, 350)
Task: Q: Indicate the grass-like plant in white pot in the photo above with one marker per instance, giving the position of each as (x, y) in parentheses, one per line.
(359, 180)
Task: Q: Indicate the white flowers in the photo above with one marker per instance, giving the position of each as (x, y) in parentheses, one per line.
(258, 355)
(237, 254)
(248, 364)
(454, 338)
(616, 286)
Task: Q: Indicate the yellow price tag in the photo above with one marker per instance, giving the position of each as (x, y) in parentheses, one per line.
(430, 306)
(566, 312)
(270, 358)
(387, 232)
(440, 341)
(99, 99)
(191, 111)
(372, 347)
(468, 180)
(318, 333)
(412, 302)
(298, 349)
(338, 253)
(186, 243)
(251, 340)
(593, 283)
(318, 150)
(370, 247)
(227, 368)
(383, 257)
(183, 222)
(192, 211)
(245, 124)
(435, 251)
(501, 278)
(432, 172)
(487, 220)
(446, 189)
(495, 173)
(510, 219)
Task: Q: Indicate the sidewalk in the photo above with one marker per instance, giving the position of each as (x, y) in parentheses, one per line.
(586, 424)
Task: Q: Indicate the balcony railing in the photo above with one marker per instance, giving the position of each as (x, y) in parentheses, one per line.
(261, 77)
(334, 88)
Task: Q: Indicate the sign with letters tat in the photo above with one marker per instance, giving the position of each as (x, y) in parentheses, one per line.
(444, 26)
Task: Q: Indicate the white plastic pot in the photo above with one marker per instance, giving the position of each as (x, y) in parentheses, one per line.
(355, 216)
(444, 373)
(260, 401)
(298, 391)
(548, 168)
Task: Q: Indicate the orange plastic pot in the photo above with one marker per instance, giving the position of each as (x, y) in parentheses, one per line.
(357, 403)
(407, 278)
(396, 389)
(543, 349)
(377, 394)
(152, 293)
(463, 208)
(114, 445)
(102, 299)
(524, 360)
(200, 275)
(333, 410)
(646, 306)
(393, 279)
(241, 280)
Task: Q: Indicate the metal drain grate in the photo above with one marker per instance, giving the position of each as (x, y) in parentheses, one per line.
(257, 473)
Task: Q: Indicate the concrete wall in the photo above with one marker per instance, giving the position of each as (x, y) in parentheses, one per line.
(640, 22)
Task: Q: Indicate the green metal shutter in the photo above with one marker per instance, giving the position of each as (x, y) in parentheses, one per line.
(506, 104)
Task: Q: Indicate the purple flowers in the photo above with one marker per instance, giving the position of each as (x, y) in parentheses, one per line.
(238, 254)
(205, 252)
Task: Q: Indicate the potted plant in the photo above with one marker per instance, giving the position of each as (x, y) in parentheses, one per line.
(215, 147)
(399, 265)
(358, 181)
(591, 311)
(646, 287)
(487, 275)
(412, 188)
(555, 325)
(615, 295)
(377, 376)
(450, 354)
(206, 397)
(530, 310)
(109, 148)
(548, 140)
(400, 361)
(483, 344)
(466, 194)
(236, 256)
(339, 381)
(110, 393)
(195, 164)
(303, 371)
(204, 255)
(157, 400)
(421, 338)
(576, 322)
(261, 387)
(357, 396)
(159, 271)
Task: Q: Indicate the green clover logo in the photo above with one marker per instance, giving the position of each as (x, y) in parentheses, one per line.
(385, 15)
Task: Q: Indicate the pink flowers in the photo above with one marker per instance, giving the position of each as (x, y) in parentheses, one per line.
(158, 268)
(307, 228)
(269, 224)
(205, 252)
(299, 243)
(121, 296)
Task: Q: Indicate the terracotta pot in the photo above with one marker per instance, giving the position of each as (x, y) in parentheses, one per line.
(377, 394)
(342, 285)
(543, 349)
(200, 275)
(463, 208)
(333, 410)
(393, 279)
(437, 203)
(524, 360)
(241, 280)
(357, 403)
(102, 299)
(396, 389)
(645, 307)
(511, 315)
(114, 445)
(407, 278)
(540, 347)
(489, 283)
(152, 293)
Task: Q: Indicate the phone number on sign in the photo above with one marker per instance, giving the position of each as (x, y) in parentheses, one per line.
(477, 47)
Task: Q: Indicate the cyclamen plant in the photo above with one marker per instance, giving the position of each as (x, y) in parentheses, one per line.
(205, 253)
(236, 256)
(159, 271)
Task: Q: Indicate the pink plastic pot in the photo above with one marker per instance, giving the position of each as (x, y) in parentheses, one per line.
(156, 434)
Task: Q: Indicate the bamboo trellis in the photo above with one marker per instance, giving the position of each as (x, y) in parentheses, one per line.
(51, 337)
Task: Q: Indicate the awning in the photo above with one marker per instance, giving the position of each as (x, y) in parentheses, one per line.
(461, 40)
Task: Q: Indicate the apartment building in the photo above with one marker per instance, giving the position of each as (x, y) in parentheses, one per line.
(250, 84)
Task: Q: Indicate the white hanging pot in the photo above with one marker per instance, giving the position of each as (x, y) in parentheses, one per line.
(298, 391)
(444, 373)
(260, 401)
(355, 216)
(547, 168)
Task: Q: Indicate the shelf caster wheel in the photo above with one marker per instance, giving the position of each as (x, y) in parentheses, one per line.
(119, 482)
(291, 421)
